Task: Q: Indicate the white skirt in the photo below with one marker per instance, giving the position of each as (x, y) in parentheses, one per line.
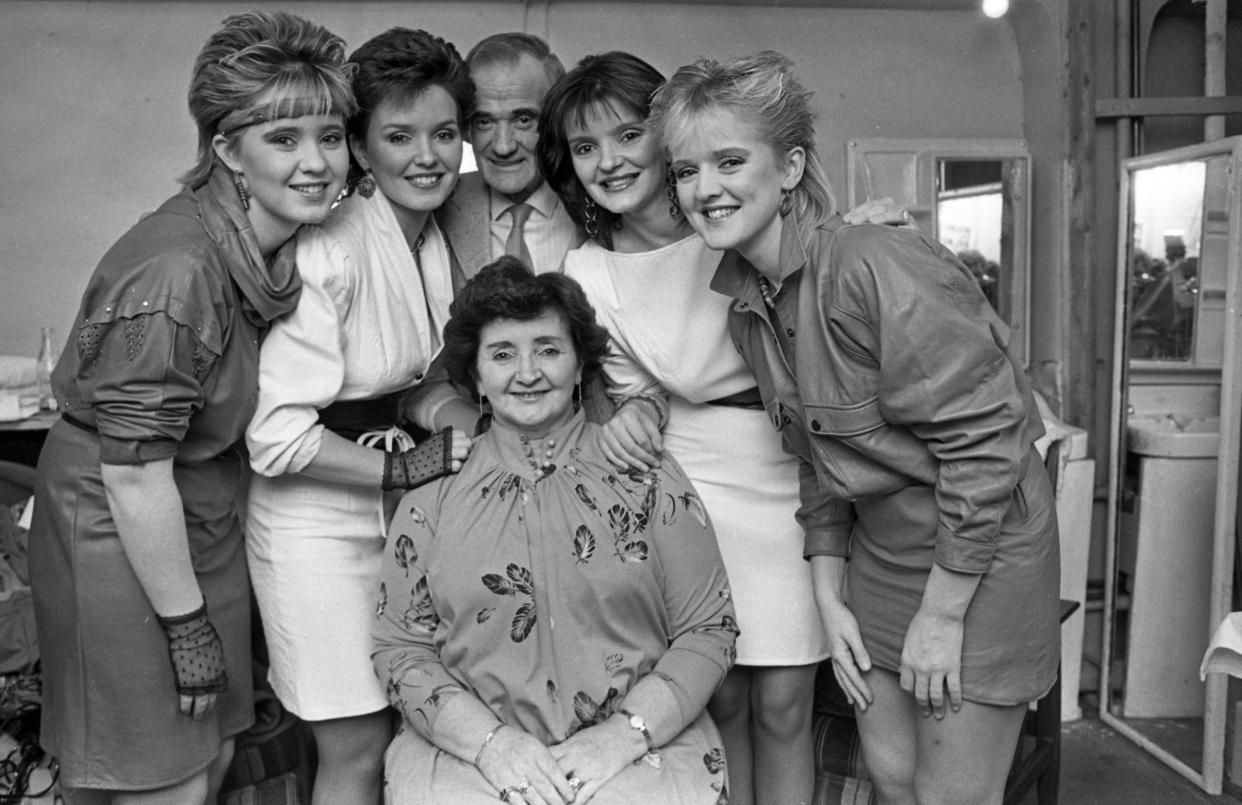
(749, 486)
(314, 551)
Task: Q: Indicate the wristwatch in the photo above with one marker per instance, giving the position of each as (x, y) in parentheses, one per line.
(637, 722)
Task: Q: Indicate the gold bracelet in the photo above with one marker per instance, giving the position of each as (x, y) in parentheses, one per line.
(486, 741)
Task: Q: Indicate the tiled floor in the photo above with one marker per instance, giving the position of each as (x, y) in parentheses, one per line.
(1101, 767)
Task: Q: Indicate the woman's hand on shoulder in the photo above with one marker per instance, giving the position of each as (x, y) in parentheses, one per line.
(595, 755)
(516, 762)
(883, 211)
(632, 437)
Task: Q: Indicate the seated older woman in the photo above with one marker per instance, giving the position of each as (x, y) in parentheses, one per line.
(550, 630)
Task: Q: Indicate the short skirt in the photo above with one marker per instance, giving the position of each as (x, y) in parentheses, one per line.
(1011, 634)
(749, 486)
(314, 550)
(110, 708)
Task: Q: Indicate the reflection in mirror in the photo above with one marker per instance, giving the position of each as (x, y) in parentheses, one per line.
(971, 221)
(971, 194)
(1164, 260)
(1173, 471)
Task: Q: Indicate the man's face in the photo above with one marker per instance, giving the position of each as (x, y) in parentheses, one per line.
(504, 128)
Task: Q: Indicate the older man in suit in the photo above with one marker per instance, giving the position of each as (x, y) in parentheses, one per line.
(507, 207)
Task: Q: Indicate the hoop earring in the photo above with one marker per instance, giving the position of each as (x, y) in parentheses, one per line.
(240, 185)
(674, 206)
(366, 185)
(786, 205)
(592, 219)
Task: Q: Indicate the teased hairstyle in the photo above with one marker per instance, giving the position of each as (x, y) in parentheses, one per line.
(763, 91)
(252, 54)
(401, 64)
(508, 48)
(507, 289)
(614, 77)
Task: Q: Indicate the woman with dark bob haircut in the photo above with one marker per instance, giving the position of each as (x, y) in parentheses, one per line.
(647, 273)
(141, 596)
(544, 622)
(336, 377)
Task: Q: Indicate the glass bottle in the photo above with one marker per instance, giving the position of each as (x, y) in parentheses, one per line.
(45, 363)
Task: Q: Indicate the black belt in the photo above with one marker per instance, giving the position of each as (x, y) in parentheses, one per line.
(352, 418)
(746, 398)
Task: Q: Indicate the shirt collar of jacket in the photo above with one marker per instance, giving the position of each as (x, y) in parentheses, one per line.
(736, 277)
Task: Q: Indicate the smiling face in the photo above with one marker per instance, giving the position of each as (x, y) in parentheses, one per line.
(729, 183)
(617, 158)
(505, 126)
(527, 369)
(412, 147)
(293, 170)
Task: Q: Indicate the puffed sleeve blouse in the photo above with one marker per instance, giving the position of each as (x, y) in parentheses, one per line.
(369, 324)
(548, 590)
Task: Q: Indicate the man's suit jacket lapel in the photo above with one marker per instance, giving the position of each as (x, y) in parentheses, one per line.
(465, 220)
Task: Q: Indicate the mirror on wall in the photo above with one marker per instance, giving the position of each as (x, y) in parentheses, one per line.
(973, 195)
(1173, 473)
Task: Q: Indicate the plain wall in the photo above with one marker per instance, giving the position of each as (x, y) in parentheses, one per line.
(95, 128)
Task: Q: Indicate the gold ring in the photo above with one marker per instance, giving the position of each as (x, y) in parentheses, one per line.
(905, 217)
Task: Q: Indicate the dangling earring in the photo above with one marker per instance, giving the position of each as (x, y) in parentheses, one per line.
(366, 185)
(674, 206)
(592, 219)
(577, 396)
(786, 205)
(240, 185)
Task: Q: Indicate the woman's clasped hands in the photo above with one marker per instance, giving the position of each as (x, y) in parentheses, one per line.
(525, 772)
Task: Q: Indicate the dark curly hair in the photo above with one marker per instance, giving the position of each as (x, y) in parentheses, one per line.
(506, 289)
(616, 78)
(402, 64)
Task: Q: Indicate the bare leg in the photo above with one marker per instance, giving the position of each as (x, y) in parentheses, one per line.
(886, 731)
(351, 758)
(192, 791)
(964, 758)
(218, 768)
(730, 709)
(784, 761)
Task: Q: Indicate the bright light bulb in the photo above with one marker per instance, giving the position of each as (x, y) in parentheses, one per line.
(995, 8)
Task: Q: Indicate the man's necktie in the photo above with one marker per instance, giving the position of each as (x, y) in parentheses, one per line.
(515, 244)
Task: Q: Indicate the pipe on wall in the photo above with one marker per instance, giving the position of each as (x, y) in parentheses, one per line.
(1216, 24)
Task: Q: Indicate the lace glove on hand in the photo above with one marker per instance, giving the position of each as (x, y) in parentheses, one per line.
(196, 652)
(412, 468)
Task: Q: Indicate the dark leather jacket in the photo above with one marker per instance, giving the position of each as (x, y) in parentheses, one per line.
(891, 369)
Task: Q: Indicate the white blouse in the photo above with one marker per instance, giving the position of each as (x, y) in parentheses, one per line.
(660, 309)
(368, 323)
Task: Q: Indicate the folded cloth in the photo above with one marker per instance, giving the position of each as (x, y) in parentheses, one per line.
(17, 372)
(1224, 653)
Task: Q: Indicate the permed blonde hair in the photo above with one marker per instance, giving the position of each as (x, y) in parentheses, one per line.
(762, 90)
(253, 53)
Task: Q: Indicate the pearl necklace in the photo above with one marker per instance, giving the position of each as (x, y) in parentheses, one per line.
(544, 467)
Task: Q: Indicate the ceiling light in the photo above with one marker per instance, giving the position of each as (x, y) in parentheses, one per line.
(995, 8)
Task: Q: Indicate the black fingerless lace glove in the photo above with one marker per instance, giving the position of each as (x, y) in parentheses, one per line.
(196, 652)
(412, 468)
